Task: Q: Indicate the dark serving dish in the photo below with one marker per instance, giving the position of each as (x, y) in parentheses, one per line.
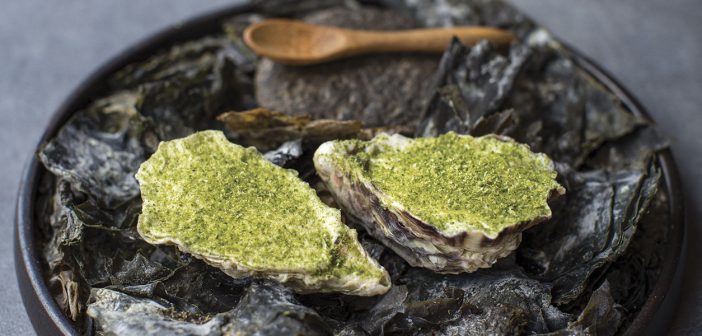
(46, 316)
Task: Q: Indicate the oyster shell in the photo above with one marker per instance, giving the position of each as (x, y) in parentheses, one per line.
(451, 204)
(228, 206)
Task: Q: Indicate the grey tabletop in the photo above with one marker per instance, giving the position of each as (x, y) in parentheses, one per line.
(653, 47)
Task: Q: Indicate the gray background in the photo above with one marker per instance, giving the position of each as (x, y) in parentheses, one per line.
(47, 47)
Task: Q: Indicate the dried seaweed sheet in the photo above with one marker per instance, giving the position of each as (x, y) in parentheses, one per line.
(183, 88)
(471, 85)
(591, 230)
(558, 108)
(265, 309)
(503, 300)
(633, 275)
(100, 149)
(355, 88)
(601, 316)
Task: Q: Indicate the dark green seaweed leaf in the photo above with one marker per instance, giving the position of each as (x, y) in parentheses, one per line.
(633, 275)
(96, 248)
(601, 316)
(116, 313)
(183, 87)
(577, 113)
(268, 308)
(503, 300)
(379, 90)
(188, 103)
(99, 150)
(593, 228)
(265, 309)
(535, 94)
(631, 151)
(471, 85)
(190, 60)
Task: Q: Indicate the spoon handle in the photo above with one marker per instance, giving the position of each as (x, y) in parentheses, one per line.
(421, 40)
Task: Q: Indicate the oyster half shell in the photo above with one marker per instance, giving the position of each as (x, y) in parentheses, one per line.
(451, 204)
(228, 206)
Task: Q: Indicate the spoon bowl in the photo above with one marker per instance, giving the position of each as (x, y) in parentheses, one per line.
(295, 42)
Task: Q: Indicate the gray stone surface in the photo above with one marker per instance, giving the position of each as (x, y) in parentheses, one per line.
(46, 48)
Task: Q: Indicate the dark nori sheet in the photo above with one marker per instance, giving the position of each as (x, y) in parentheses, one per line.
(586, 271)
(357, 88)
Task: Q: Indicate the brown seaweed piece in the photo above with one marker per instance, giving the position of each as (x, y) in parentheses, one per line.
(265, 129)
(290, 141)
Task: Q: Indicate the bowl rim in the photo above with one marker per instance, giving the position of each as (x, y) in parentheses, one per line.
(47, 318)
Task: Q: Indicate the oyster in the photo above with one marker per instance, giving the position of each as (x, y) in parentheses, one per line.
(228, 206)
(452, 204)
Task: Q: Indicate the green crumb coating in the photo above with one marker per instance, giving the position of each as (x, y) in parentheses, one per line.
(227, 203)
(349, 259)
(458, 182)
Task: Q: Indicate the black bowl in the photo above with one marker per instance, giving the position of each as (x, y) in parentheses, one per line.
(48, 319)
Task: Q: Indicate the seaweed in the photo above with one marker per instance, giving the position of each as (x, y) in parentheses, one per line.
(535, 93)
(504, 301)
(633, 275)
(354, 88)
(266, 129)
(591, 230)
(182, 105)
(117, 313)
(471, 85)
(601, 316)
(265, 309)
(99, 149)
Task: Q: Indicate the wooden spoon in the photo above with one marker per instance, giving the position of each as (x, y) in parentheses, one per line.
(297, 42)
